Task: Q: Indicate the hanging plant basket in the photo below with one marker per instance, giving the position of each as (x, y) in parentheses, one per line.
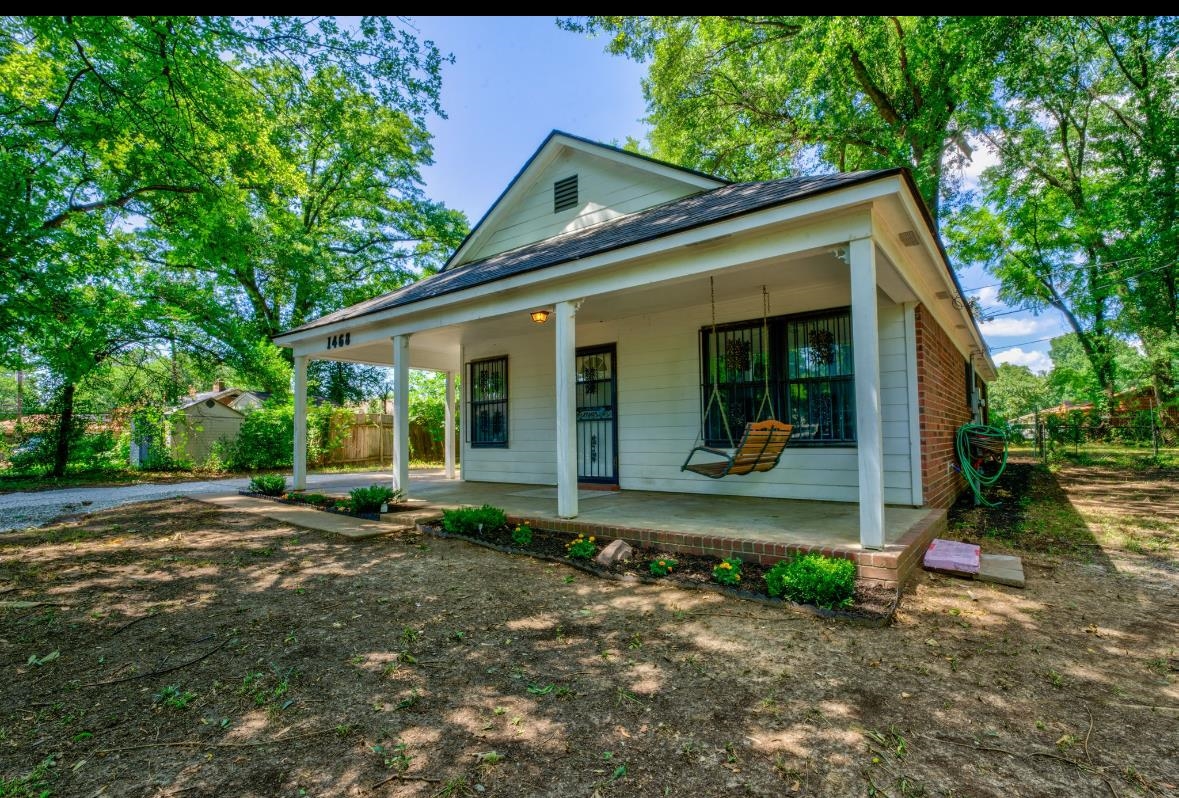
(821, 348)
(737, 355)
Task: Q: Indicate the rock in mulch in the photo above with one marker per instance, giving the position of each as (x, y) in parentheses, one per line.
(617, 551)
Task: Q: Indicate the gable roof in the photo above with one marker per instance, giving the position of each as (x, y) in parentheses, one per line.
(193, 400)
(553, 143)
(671, 217)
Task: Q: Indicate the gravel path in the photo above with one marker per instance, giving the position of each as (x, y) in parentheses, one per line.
(37, 508)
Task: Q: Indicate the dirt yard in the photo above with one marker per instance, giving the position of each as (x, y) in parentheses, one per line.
(184, 651)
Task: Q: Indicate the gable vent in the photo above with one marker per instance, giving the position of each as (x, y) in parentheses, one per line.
(909, 238)
(565, 194)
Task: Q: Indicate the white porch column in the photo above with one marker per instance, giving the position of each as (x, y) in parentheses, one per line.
(566, 339)
(449, 437)
(300, 390)
(401, 414)
(866, 347)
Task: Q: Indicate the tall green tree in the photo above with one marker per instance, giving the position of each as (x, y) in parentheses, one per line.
(758, 97)
(1079, 212)
(1016, 391)
(350, 219)
(121, 135)
(1073, 379)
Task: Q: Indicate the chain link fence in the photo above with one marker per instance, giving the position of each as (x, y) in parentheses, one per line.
(1145, 433)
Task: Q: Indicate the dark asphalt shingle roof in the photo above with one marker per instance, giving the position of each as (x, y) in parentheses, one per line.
(671, 217)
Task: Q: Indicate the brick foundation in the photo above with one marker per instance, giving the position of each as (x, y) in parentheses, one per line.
(942, 405)
(890, 567)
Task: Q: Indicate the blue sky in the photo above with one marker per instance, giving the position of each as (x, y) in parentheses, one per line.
(516, 78)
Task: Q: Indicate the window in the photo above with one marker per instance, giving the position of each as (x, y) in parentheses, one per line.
(565, 194)
(807, 362)
(488, 386)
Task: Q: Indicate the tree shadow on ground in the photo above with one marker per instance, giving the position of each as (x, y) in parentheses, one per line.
(1029, 512)
(432, 667)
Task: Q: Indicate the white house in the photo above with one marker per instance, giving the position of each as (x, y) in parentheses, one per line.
(604, 294)
(202, 419)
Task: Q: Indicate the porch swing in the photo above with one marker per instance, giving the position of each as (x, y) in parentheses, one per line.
(762, 442)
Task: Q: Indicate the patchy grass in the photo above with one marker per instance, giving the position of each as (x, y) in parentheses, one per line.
(1082, 513)
(190, 663)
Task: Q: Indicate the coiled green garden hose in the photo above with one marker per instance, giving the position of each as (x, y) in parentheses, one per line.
(974, 443)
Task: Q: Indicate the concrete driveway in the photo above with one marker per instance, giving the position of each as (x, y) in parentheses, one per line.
(36, 508)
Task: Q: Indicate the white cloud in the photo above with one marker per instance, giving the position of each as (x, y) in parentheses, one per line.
(1038, 362)
(1010, 326)
(988, 295)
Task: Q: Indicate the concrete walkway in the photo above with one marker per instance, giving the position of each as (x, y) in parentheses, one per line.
(306, 517)
(36, 508)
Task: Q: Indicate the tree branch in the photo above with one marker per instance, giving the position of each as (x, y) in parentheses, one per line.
(114, 202)
(887, 110)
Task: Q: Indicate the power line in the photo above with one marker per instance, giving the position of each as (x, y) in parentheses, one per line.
(1080, 265)
(1023, 343)
(1121, 278)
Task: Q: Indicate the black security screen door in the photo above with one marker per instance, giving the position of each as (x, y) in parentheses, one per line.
(597, 413)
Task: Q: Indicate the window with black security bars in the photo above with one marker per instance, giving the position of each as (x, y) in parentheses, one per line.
(805, 363)
(487, 386)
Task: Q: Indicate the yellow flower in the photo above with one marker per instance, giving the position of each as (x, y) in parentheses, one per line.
(592, 538)
(661, 562)
(726, 565)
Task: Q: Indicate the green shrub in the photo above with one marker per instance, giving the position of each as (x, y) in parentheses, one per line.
(474, 520)
(264, 440)
(581, 547)
(308, 498)
(370, 499)
(814, 579)
(522, 535)
(728, 572)
(663, 566)
(268, 484)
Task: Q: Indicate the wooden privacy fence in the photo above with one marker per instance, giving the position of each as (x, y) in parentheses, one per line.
(369, 441)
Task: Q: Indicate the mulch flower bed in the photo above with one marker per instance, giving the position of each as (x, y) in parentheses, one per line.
(329, 504)
(872, 605)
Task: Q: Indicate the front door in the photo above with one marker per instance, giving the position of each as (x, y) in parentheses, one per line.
(597, 414)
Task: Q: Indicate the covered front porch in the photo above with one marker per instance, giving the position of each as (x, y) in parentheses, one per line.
(650, 319)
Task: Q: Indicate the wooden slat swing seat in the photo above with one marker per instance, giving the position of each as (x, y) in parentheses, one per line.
(762, 442)
(759, 450)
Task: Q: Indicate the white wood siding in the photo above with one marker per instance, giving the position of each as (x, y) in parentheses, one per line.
(659, 408)
(605, 190)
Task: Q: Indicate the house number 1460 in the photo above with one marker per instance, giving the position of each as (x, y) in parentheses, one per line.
(343, 339)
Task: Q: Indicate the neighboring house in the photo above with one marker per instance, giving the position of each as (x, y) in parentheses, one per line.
(580, 311)
(1129, 406)
(202, 419)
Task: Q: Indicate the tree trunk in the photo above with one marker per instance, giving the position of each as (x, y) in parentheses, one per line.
(20, 404)
(64, 429)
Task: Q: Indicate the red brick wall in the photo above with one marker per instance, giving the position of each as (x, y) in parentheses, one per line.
(941, 398)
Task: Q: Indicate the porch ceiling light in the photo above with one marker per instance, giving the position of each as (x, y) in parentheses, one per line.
(540, 316)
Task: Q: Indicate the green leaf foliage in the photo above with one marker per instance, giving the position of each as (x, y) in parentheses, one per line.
(268, 484)
(474, 521)
(828, 582)
(199, 184)
(369, 499)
